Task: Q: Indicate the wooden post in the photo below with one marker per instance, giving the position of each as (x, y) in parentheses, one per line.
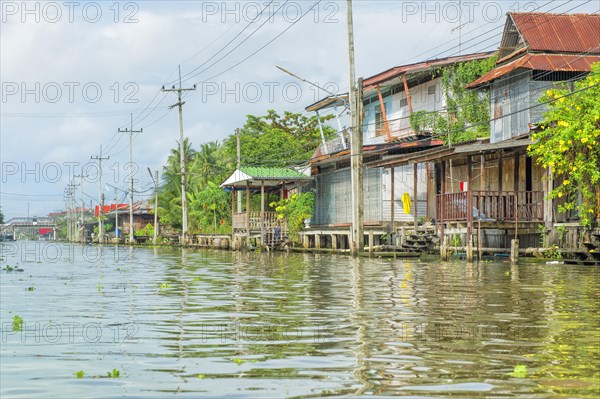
(469, 209)
(262, 212)
(516, 189)
(427, 187)
(500, 174)
(415, 194)
(481, 189)
(516, 172)
(392, 198)
(384, 115)
(440, 216)
(232, 208)
(248, 214)
(407, 92)
(548, 211)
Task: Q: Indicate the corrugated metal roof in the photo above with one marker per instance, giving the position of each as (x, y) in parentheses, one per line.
(575, 33)
(421, 66)
(540, 62)
(445, 152)
(328, 102)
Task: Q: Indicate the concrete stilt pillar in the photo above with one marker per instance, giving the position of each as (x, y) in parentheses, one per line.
(443, 248)
(305, 241)
(318, 241)
(514, 251)
(334, 241)
(371, 241)
(470, 248)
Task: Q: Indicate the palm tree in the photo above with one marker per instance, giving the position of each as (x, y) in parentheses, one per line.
(170, 190)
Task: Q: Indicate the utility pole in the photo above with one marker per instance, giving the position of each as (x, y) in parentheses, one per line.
(116, 217)
(155, 181)
(179, 104)
(239, 164)
(131, 132)
(99, 158)
(70, 225)
(81, 229)
(356, 150)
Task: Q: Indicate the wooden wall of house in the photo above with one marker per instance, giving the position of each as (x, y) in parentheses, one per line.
(404, 183)
(491, 175)
(424, 97)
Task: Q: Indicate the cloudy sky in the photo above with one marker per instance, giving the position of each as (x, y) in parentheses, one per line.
(73, 72)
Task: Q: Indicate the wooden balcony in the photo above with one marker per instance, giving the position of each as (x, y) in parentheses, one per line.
(258, 221)
(501, 206)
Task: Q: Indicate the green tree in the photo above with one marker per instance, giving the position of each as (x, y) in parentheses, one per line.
(169, 198)
(568, 145)
(207, 165)
(275, 140)
(1, 217)
(210, 208)
(295, 210)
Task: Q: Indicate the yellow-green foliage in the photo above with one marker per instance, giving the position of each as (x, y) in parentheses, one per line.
(568, 145)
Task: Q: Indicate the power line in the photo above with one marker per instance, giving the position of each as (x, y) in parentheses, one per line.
(267, 44)
(190, 75)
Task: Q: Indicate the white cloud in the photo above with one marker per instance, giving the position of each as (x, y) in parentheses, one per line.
(147, 53)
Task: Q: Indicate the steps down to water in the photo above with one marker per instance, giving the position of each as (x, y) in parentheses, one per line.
(420, 242)
(588, 256)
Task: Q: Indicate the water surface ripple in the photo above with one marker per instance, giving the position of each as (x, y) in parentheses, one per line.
(184, 323)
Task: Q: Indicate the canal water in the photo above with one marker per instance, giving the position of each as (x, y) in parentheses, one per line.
(183, 323)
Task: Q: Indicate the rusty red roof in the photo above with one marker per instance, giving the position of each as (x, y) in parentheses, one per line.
(394, 72)
(540, 62)
(565, 33)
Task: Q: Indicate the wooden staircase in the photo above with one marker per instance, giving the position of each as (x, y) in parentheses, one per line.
(589, 256)
(420, 242)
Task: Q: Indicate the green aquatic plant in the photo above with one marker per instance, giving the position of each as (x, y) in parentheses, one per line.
(17, 323)
(520, 371)
(238, 361)
(201, 376)
(164, 286)
(32, 288)
(79, 374)
(114, 374)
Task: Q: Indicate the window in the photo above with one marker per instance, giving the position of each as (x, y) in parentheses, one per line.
(403, 102)
(379, 122)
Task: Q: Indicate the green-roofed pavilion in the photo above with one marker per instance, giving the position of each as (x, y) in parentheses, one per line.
(257, 176)
(264, 225)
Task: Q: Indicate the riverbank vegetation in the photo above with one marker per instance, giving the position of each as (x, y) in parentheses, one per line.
(568, 145)
(271, 140)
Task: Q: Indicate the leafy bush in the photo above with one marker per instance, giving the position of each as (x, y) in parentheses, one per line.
(295, 209)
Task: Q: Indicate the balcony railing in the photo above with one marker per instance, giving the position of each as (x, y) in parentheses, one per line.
(265, 220)
(504, 206)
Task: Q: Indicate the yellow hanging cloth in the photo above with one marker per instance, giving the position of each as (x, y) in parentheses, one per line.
(406, 203)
